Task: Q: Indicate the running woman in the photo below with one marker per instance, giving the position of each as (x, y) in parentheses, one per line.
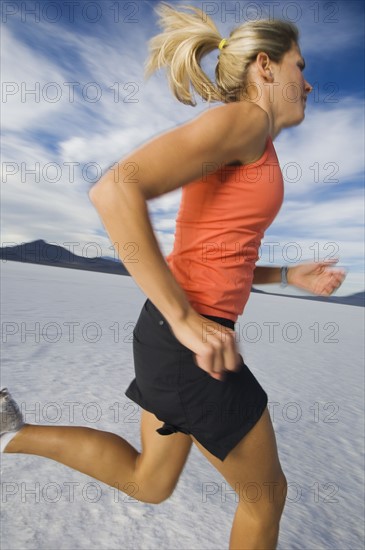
(191, 382)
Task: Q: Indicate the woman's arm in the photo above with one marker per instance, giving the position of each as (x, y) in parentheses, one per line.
(263, 275)
(315, 277)
(178, 157)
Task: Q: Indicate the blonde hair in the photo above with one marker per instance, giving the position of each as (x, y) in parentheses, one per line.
(187, 37)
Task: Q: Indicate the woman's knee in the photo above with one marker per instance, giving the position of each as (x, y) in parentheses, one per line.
(146, 495)
(157, 495)
(153, 491)
(264, 502)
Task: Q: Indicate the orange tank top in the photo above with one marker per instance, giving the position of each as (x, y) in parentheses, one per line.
(219, 227)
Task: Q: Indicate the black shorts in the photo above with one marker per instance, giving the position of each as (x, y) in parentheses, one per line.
(183, 396)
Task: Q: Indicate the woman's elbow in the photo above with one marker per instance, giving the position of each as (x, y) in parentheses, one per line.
(99, 190)
(93, 193)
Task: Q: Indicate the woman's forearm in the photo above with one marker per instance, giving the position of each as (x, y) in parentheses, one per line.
(123, 211)
(263, 275)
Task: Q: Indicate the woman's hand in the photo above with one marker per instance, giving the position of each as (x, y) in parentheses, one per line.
(317, 277)
(213, 344)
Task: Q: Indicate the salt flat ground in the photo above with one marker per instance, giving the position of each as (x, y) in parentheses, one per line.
(67, 358)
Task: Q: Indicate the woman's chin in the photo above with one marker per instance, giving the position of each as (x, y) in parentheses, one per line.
(295, 121)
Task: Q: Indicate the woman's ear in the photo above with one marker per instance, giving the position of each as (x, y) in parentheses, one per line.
(263, 67)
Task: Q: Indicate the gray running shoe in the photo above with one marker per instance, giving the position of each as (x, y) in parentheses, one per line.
(11, 419)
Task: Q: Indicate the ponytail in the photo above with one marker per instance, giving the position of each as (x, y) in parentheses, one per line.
(187, 37)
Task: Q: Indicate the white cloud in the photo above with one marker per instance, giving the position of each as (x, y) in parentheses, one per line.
(23, 70)
(326, 150)
(327, 216)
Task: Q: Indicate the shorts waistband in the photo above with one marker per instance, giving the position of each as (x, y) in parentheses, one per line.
(156, 313)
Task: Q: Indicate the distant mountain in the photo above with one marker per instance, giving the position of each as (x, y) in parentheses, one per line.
(357, 299)
(111, 258)
(41, 252)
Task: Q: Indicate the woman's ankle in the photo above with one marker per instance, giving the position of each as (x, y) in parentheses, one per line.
(10, 441)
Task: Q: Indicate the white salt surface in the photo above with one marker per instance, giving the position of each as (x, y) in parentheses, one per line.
(67, 358)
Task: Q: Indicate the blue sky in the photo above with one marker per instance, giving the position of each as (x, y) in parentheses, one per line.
(74, 101)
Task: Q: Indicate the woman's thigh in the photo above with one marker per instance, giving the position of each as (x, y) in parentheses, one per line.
(162, 458)
(252, 468)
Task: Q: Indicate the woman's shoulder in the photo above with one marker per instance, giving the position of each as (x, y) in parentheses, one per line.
(237, 114)
(244, 123)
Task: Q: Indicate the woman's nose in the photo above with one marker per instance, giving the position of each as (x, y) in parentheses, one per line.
(308, 88)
